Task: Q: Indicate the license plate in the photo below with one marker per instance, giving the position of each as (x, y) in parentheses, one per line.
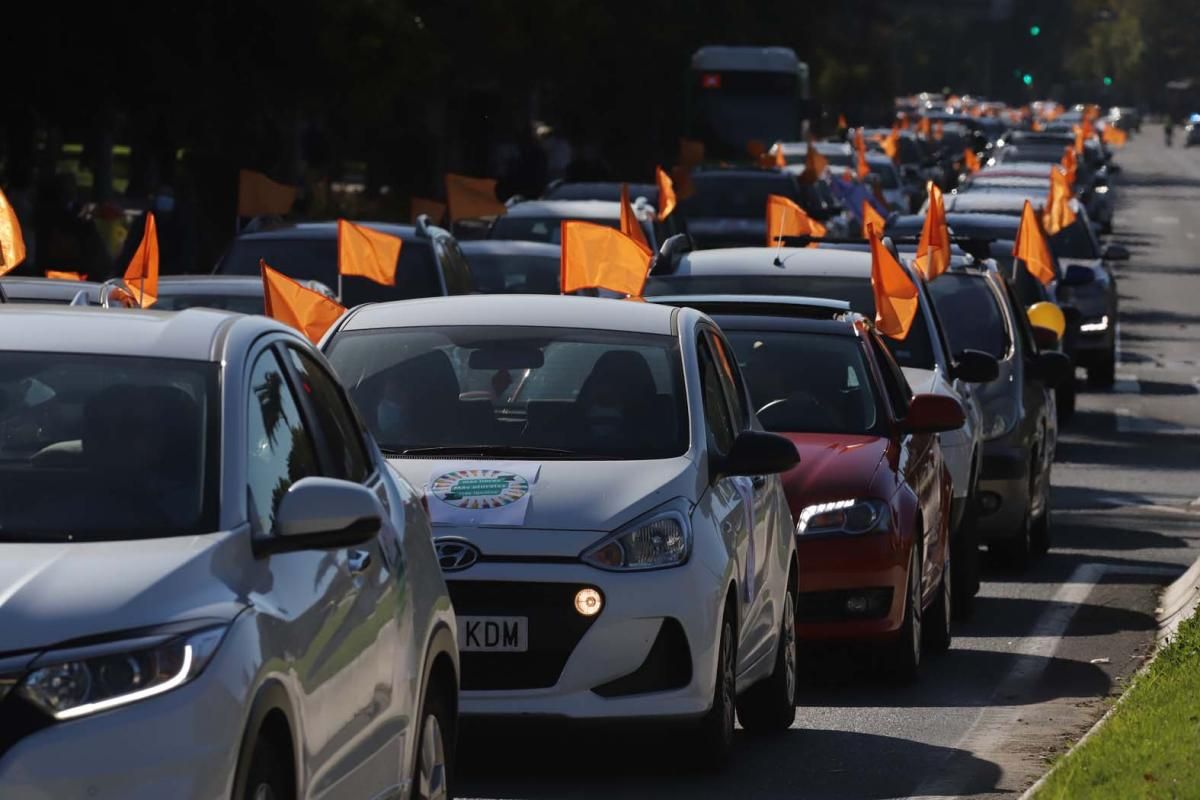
(493, 634)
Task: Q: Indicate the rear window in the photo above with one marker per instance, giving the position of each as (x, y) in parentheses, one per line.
(537, 229)
(970, 314)
(495, 273)
(242, 304)
(729, 197)
(1075, 241)
(316, 259)
(915, 351)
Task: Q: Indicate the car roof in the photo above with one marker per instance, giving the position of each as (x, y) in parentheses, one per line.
(1039, 168)
(760, 261)
(565, 209)
(824, 148)
(31, 288)
(328, 230)
(509, 247)
(738, 173)
(550, 311)
(734, 321)
(191, 335)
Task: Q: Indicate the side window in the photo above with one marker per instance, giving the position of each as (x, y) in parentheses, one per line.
(280, 447)
(337, 422)
(1020, 322)
(731, 380)
(894, 383)
(716, 413)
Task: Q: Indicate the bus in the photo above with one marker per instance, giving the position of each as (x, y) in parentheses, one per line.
(738, 95)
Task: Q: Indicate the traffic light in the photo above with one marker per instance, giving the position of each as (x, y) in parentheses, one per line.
(1035, 30)
(1108, 80)
(1027, 79)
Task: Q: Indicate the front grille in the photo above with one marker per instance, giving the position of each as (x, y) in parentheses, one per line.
(668, 666)
(835, 606)
(555, 628)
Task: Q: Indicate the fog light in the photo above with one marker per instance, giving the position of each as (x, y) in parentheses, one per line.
(588, 602)
(989, 502)
(856, 604)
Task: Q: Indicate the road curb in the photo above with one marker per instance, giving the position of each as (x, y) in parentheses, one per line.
(1179, 602)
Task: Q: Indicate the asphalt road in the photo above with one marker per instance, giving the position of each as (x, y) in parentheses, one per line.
(1046, 649)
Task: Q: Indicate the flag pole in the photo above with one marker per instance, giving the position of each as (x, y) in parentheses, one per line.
(779, 238)
(339, 284)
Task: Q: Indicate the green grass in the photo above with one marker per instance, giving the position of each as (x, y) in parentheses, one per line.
(1150, 746)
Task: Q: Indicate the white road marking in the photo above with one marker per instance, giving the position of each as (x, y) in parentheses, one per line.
(1165, 220)
(1129, 422)
(1127, 384)
(1191, 235)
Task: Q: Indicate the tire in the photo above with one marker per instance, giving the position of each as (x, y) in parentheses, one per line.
(964, 552)
(714, 732)
(270, 776)
(433, 769)
(1018, 551)
(1104, 374)
(1041, 533)
(1064, 397)
(770, 705)
(936, 628)
(903, 658)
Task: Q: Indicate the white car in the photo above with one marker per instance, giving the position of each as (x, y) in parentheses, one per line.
(211, 584)
(605, 504)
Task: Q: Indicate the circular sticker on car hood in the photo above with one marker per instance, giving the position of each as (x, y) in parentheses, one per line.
(479, 488)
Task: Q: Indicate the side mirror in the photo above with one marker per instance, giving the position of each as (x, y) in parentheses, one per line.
(322, 514)
(1116, 252)
(1045, 338)
(1052, 368)
(1078, 275)
(975, 366)
(758, 453)
(934, 413)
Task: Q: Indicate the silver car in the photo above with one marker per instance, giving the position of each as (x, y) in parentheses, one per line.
(211, 584)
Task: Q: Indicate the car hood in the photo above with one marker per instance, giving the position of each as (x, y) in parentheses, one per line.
(52, 593)
(571, 503)
(832, 466)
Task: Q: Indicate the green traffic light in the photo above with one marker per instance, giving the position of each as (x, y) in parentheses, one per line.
(1108, 80)
(1035, 30)
(1028, 79)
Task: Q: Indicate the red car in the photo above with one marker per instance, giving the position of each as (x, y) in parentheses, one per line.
(871, 495)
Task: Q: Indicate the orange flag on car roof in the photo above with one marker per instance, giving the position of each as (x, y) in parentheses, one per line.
(472, 197)
(1080, 138)
(925, 127)
(786, 218)
(258, 195)
(12, 243)
(891, 144)
(815, 164)
(939, 130)
(860, 150)
(871, 217)
(779, 160)
(367, 253)
(971, 161)
(629, 222)
(894, 290)
(666, 193)
(1070, 163)
(1112, 135)
(309, 312)
(933, 248)
(600, 257)
(1031, 247)
(1058, 213)
(141, 276)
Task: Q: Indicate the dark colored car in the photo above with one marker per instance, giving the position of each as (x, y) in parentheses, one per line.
(502, 266)
(541, 220)
(431, 263)
(729, 206)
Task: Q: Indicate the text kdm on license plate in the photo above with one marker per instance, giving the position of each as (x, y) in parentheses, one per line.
(495, 634)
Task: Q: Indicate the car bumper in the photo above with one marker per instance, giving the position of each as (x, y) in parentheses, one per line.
(1094, 347)
(640, 612)
(1003, 479)
(183, 743)
(870, 570)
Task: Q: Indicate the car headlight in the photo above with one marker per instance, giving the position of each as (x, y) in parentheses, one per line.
(1095, 325)
(74, 683)
(843, 516)
(664, 540)
(1000, 415)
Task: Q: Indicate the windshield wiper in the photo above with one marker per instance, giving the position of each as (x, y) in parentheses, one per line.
(479, 449)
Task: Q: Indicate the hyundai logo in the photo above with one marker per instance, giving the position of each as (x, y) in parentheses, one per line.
(456, 554)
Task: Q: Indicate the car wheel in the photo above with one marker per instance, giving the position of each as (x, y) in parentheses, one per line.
(270, 777)
(937, 621)
(770, 706)
(1104, 374)
(964, 552)
(904, 655)
(1064, 397)
(1041, 533)
(714, 735)
(1018, 550)
(431, 780)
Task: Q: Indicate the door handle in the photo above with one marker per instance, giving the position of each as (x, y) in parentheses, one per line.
(358, 560)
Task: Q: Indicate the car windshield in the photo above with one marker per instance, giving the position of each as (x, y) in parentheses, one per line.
(806, 382)
(538, 229)
(914, 351)
(98, 447)
(517, 391)
(1075, 241)
(970, 313)
(241, 303)
(316, 259)
(497, 273)
(735, 197)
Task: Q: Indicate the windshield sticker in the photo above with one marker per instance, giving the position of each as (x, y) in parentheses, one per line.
(481, 493)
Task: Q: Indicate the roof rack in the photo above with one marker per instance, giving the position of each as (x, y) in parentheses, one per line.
(423, 223)
(667, 259)
(773, 305)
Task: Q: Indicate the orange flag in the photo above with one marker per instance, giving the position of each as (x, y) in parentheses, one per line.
(1070, 163)
(842, 122)
(59, 275)
(1031, 247)
(600, 257)
(1058, 214)
(367, 253)
(12, 243)
(666, 193)
(971, 161)
(871, 217)
(1114, 136)
(1079, 139)
(860, 149)
(894, 290)
(815, 164)
(925, 128)
(472, 197)
(432, 208)
(939, 130)
(785, 218)
(891, 144)
(933, 248)
(629, 222)
(141, 276)
(779, 159)
(258, 195)
(309, 312)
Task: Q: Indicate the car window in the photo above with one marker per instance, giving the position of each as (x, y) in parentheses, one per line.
(538, 229)
(894, 383)
(1075, 241)
(1021, 322)
(496, 273)
(731, 381)
(280, 447)
(337, 422)
(735, 197)
(970, 314)
(716, 412)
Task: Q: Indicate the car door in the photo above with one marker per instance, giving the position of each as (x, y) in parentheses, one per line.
(314, 596)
